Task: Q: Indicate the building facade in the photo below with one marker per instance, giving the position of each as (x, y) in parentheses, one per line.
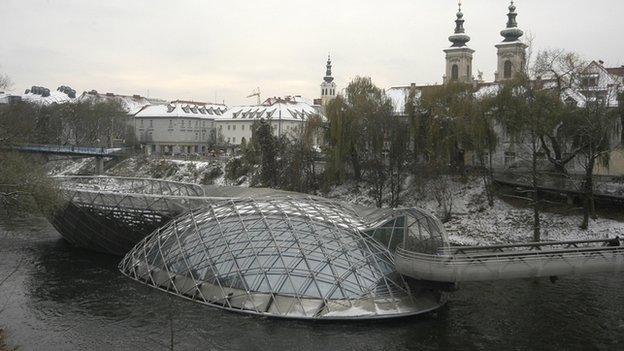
(180, 127)
(287, 116)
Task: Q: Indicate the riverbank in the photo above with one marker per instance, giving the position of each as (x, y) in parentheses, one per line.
(471, 221)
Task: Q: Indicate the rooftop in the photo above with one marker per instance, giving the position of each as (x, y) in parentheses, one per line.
(293, 108)
(180, 108)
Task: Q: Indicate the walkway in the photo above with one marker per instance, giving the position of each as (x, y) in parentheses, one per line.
(530, 260)
(611, 192)
(70, 150)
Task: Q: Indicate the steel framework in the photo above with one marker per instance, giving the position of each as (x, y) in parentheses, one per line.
(112, 214)
(290, 256)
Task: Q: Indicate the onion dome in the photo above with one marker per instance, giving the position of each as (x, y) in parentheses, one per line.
(328, 74)
(459, 39)
(512, 32)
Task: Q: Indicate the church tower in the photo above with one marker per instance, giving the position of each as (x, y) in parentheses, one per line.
(511, 51)
(459, 56)
(328, 87)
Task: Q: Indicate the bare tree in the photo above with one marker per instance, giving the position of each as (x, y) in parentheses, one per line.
(597, 128)
(563, 68)
(5, 81)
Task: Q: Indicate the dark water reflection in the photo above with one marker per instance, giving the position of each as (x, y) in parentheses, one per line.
(62, 298)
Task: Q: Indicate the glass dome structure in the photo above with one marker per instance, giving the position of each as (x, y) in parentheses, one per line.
(295, 257)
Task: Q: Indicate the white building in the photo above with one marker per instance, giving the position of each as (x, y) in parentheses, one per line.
(180, 127)
(287, 116)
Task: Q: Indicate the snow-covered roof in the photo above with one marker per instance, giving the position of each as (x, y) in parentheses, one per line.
(6, 98)
(183, 109)
(54, 97)
(486, 90)
(288, 108)
(132, 104)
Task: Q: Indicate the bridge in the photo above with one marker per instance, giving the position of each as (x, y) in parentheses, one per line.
(497, 262)
(569, 186)
(98, 152)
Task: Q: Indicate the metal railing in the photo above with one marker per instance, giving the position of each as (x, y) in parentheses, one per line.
(65, 149)
(496, 262)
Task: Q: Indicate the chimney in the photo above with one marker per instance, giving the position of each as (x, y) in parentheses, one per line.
(601, 62)
(110, 94)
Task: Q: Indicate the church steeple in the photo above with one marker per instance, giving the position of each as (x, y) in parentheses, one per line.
(511, 51)
(459, 39)
(459, 55)
(328, 87)
(328, 73)
(512, 32)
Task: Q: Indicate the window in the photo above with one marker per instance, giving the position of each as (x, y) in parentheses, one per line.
(141, 123)
(468, 72)
(151, 123)
(170, 123)
(589, 82)
(234, 127)
(243, 127)
(507, 70)
(234, 139)
(228, 127)
(455, 72)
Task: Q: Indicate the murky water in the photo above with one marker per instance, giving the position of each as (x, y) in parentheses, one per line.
(56, 297)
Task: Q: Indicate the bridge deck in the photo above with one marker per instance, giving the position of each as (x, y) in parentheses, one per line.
(573, 185)
(70, 150)
(496, 262)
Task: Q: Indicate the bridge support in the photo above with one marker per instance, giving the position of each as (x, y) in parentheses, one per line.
(99, 165)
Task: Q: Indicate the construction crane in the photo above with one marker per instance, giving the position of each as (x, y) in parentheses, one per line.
(256, 93)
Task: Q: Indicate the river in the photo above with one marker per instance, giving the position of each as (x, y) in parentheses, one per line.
(57, 297)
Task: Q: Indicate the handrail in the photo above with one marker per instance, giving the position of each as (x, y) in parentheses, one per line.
(520, 245)
(70, 149)
(505, 257)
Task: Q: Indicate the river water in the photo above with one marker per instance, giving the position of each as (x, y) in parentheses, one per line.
(57, 297)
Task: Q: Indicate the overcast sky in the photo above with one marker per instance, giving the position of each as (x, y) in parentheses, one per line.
(202, 49)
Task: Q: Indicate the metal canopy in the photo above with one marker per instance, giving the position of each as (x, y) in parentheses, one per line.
(293, 257)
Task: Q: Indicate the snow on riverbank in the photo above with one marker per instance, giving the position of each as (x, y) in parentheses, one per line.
(472, 221)
(70, 166)
(191, 171)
